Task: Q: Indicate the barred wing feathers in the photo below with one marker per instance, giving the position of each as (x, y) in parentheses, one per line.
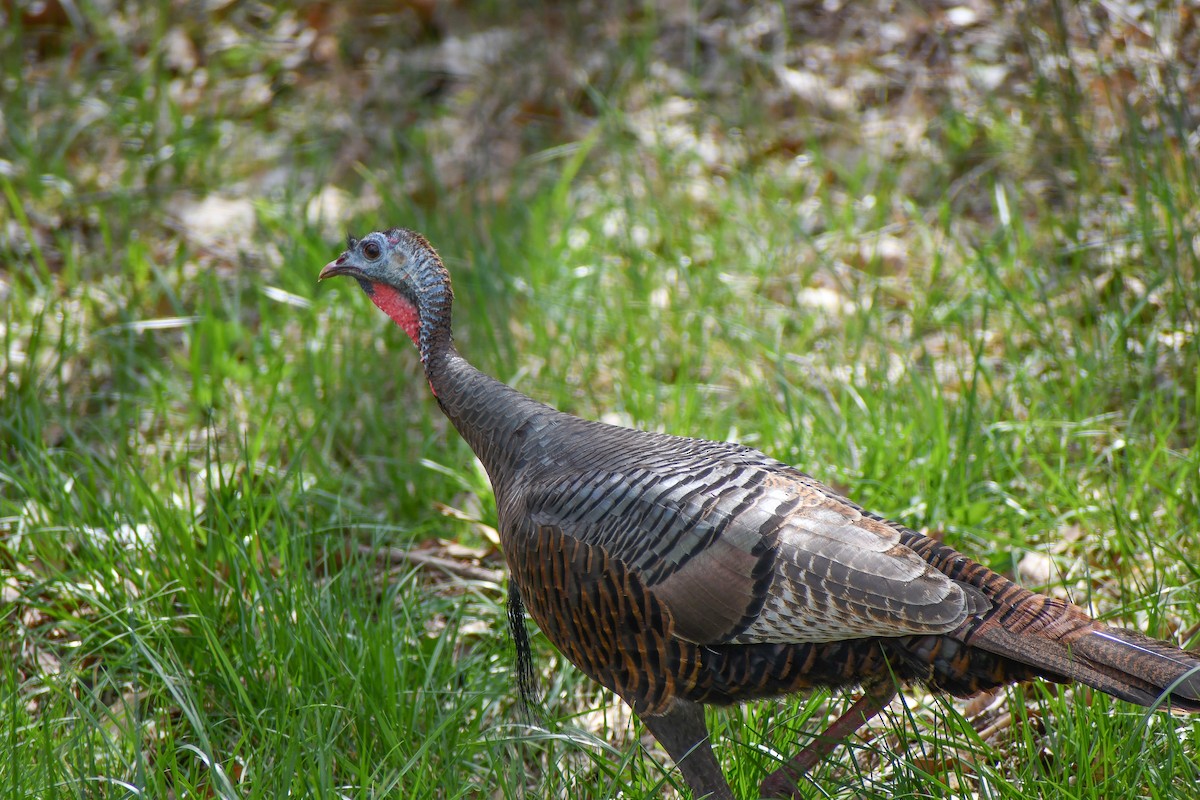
(747, 554)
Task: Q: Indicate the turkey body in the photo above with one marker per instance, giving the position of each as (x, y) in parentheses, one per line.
(681, 572)
(720, 574)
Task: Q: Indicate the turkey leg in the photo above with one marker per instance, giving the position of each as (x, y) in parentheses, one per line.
(683, 733)
(782, 782)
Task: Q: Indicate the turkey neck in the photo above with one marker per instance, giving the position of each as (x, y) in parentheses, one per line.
(491, 416)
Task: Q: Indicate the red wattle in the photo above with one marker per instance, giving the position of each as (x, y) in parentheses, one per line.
(399, 308)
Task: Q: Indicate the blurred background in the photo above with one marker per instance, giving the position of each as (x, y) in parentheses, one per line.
(942, 256)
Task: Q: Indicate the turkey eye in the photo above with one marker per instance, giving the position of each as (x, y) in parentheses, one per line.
(372, 250)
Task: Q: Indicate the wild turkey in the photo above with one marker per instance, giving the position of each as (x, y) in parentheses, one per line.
(679, 572)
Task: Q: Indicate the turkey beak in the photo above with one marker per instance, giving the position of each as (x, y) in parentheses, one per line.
(338, 267)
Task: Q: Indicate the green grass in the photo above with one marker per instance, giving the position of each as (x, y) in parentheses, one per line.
(204, 458)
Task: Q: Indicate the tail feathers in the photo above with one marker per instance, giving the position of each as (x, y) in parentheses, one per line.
(1056, 640)
(1122, 663)
(1146, 664)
